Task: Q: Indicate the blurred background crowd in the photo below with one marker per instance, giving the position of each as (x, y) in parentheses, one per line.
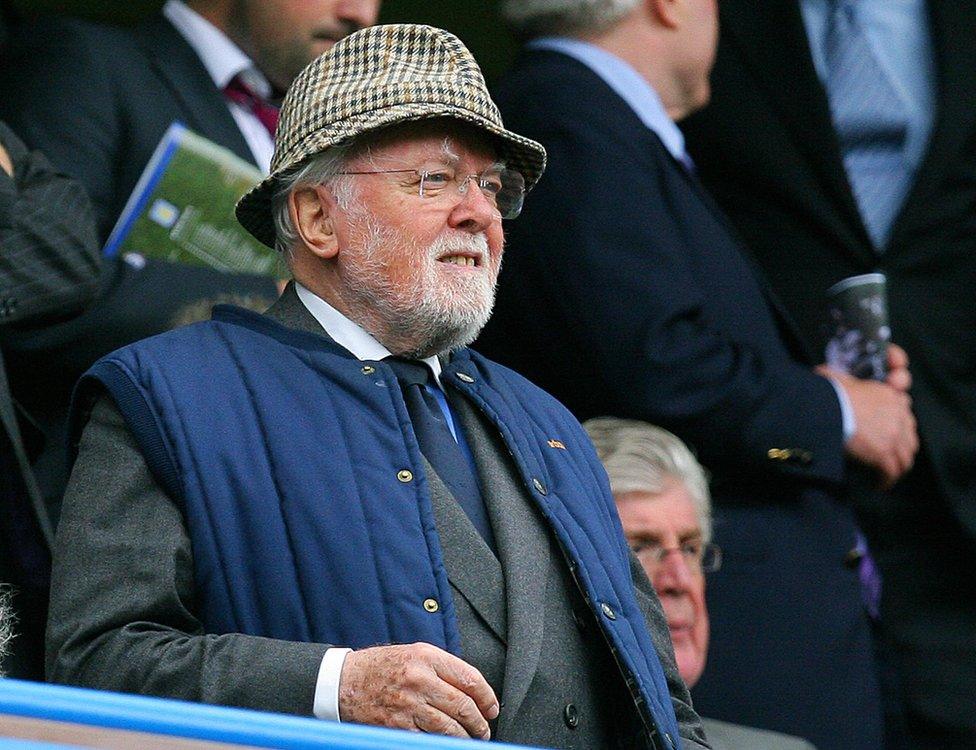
(714, 169)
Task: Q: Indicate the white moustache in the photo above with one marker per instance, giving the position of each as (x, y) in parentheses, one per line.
(456, 242)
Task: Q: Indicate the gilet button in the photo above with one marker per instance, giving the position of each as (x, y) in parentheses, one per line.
(571, 715)
(431, 605)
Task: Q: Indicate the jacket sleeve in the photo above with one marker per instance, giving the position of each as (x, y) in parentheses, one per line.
(689, 723)
(122, 595)
(49, 255)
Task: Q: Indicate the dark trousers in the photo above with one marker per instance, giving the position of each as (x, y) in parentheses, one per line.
(928, 614)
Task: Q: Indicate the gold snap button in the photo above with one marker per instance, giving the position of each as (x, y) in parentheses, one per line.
(465, 377)
(405, 475)
(431, 605)
(368, 370)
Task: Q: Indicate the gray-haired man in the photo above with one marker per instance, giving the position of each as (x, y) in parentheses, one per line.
(342, 472)
(661, 493)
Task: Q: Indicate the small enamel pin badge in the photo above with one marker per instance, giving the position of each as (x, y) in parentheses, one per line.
(557, 444)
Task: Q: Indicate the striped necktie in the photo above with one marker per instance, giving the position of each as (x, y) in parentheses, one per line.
(871, 121)
(246, 96)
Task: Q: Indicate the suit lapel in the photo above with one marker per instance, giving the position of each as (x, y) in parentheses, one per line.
(524, 546)
(472, 568)
(180, 68)
(952, 24)
(767, 35)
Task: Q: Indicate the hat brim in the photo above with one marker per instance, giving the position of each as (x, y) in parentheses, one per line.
(518, 152)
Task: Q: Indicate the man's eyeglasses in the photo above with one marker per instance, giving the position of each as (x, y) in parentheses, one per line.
(698, 556)
(504, 188)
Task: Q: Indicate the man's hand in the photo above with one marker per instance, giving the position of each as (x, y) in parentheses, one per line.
(5, 162)
(886, 436)
(418, 687)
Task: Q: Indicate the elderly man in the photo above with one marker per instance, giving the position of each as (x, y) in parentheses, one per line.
(626, 294)
(662, 497)
(257, 494)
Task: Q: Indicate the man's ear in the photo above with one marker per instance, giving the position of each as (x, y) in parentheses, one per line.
(667, 13)
(312, 209)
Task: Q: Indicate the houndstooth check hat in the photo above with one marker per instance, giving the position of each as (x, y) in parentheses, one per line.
(381, 76)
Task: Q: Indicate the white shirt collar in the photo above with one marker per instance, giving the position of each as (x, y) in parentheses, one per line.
(220, 56)
(350, 335)
(626, 82)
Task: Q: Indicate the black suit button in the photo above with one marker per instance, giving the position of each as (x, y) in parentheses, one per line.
(571, 715)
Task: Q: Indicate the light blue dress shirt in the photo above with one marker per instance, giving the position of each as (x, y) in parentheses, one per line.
(899, 34)
(627, 83)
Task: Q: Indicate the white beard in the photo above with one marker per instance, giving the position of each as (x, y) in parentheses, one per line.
(429, 314)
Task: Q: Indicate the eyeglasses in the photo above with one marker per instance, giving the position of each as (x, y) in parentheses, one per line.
(698, 556)
(504, 188)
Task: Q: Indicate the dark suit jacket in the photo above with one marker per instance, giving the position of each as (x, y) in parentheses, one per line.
(767, 150)
(97, 99)
(48, 270)
(146, 637)
(624, 293)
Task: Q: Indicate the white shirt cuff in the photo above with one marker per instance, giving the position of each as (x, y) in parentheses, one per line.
(326, 702)
(846, 411)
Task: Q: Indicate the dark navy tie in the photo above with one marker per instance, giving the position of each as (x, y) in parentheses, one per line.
(437, 443)
(871, 121)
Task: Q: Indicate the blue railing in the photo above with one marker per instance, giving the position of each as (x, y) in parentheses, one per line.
(33, 700)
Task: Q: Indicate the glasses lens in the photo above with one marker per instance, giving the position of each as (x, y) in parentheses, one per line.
(711, 558)
(511, 195)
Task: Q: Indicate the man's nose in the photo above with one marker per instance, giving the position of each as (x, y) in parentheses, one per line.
(674, 571)
(358, 14)
(473, 211)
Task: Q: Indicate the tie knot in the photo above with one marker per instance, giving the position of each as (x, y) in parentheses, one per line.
(410, 371)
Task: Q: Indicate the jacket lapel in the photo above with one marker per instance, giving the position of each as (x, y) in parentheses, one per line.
(524, 547)
(180, 68)
(952, 23)
(472, 568)
(767, 35)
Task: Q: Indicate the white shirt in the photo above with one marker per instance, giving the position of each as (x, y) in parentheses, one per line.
(362, 346)
(223, 60)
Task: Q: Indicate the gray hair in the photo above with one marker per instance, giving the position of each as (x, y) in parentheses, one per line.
(6, 623)
(320, 169)
(532, 18)
(640, 457)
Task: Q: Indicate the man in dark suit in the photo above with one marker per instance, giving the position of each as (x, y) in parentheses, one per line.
(779, 150)
(342, 472)
(625, 294)
(48, 271)
(97, 98)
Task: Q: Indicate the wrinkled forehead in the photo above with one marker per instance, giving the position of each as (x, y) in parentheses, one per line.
(439, 140)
